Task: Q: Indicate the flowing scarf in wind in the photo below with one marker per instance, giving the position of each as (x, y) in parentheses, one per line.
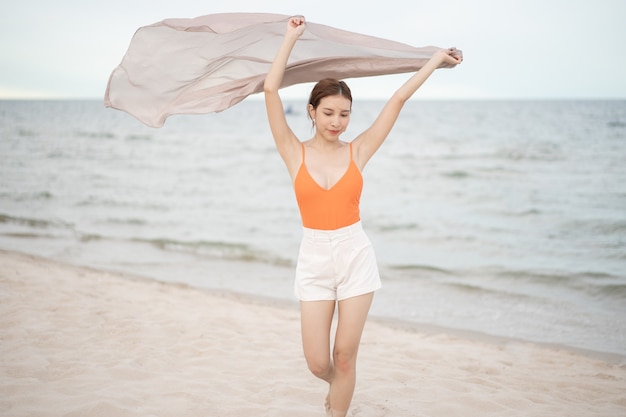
(210, 63)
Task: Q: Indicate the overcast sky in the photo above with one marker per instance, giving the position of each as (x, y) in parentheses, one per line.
(513, 48)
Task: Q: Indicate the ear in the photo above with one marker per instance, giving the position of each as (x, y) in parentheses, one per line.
(311, 110)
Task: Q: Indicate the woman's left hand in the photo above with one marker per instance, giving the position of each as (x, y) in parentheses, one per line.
(451, 56)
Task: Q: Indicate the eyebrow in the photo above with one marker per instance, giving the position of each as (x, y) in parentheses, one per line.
(342, 111)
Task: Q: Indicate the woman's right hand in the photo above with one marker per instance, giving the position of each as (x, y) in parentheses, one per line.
(296, 25)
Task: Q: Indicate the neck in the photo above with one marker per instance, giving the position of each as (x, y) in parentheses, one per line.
(323, 144)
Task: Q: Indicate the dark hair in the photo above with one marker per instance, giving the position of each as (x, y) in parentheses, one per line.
(328, 87)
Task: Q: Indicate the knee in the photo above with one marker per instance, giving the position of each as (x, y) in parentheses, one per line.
(345, 361)
(319, 367)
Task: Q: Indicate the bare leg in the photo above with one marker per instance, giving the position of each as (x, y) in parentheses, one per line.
(351, 321)
(316, 320)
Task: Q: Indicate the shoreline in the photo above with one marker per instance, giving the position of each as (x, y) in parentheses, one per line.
(282, 302)
(82, 341)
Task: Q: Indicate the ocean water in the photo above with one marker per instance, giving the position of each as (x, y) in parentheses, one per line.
(501, 217)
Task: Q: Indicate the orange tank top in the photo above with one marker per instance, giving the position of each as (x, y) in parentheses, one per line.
(333, 208)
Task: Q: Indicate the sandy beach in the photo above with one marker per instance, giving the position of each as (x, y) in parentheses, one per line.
(80, 342)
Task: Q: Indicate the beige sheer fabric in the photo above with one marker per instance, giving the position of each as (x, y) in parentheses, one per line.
(210, 63)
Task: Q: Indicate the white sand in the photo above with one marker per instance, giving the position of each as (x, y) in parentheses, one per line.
(80, 342)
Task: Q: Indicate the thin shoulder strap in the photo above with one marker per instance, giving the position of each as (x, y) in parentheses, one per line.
(351, 151)
(302, 143)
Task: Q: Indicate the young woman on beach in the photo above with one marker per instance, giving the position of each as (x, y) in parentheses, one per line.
(336, 264)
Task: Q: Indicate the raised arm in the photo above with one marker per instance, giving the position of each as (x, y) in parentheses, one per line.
(286, 142)
(367, 143)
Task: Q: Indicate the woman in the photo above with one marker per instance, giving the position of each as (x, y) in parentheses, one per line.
(336, 265)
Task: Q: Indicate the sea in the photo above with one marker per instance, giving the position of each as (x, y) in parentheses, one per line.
(504, 218)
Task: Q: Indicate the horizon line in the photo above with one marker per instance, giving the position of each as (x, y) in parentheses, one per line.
(255, 98)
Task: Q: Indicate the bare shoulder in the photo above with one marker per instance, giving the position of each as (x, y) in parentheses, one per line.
(292, 155)
(360, 151)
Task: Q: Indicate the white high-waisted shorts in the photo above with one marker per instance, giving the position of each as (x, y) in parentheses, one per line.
(335, 264)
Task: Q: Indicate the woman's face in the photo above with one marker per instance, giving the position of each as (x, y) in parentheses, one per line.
(331, 116)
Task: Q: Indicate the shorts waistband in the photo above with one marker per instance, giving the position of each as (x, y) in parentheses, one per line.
(317, 234)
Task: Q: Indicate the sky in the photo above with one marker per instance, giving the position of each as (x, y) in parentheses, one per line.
(513, 49)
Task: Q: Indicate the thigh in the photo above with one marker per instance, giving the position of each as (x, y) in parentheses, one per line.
(316, 319)
(351, 321)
